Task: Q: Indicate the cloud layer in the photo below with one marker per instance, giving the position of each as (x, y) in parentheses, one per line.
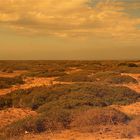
(71, 18)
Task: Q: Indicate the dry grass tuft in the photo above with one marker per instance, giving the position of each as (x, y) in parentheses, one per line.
(90, 119)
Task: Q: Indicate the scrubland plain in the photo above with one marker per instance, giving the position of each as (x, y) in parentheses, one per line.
(69, 100)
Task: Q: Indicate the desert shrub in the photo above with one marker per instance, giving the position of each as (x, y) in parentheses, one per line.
(123, 79)
(87, 96)
(29, 124)
(39, 96)
(106, 75)
(128, 64)
(36, 124)
(5, 102)
(91, 118)
(114, 78)
(8, 82)
(8, 70)
(46, 73)
(132, 65)
(83, 76)
(62, 116)
(73, 96)
(71, 102)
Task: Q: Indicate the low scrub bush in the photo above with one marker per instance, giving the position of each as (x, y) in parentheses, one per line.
(8, 82)
(128, 64)
(91, 118)
(73, 96)
(5, 102)
(46, 73)
(124, 79)
(37, 124)
(29, 124)
(83, 76)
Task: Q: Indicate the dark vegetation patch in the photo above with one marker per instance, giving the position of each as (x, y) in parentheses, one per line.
(128, 64)
(57, 120)
(114, 78)
(70, 96)
(104, 77)
(95, 66)
(8, 82)
(63, 119)
(89, 119)
(47, 73)
(82, 76)
(122, 79)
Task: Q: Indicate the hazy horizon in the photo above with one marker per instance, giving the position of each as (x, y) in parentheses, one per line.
(70, 30)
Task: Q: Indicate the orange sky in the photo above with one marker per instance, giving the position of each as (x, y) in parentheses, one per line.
(70, 29)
